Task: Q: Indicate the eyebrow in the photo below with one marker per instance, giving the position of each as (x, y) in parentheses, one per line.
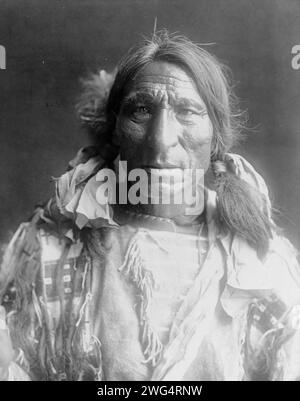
(139, 97)
(148, 98)
(187, 102)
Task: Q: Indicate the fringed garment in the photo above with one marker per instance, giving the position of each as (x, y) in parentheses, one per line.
(104, 299)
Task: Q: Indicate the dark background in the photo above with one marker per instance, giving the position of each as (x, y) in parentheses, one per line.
(50, 45)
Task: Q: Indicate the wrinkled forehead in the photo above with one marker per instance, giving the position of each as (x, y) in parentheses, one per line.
(160, 78)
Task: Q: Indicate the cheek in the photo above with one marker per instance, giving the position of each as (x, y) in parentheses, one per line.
(128, 136)
(198, 141)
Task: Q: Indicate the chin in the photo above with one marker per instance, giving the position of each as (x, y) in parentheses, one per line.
(169, 211)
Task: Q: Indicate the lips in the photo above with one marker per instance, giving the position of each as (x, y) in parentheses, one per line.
(175, 173)
(168, 183)
(162, 166)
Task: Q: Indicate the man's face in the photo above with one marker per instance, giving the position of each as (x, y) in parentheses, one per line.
(163, 124)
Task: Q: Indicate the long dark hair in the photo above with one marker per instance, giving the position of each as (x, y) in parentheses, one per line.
(241, 208)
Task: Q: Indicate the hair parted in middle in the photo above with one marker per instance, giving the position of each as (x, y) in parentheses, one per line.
(241, 207)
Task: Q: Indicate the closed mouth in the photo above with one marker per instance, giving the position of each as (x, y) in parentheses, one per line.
(165, 166)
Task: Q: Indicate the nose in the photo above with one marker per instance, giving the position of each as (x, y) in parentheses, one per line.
(163, 131)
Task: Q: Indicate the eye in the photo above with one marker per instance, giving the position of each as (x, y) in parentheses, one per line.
(186, 111)
(189, 113)
(141, 110)
(186, 114)
(140, 113)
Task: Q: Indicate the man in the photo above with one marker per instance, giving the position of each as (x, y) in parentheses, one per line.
(104, 287)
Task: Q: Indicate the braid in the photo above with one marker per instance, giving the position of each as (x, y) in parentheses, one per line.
(241, 208)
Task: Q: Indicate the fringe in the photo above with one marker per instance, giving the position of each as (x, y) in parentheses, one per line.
(37, 308)
(133, 267)
(262, 363)
(85, 347)
(70, 353)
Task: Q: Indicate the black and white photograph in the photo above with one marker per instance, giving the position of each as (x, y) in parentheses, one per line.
(150, 192)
